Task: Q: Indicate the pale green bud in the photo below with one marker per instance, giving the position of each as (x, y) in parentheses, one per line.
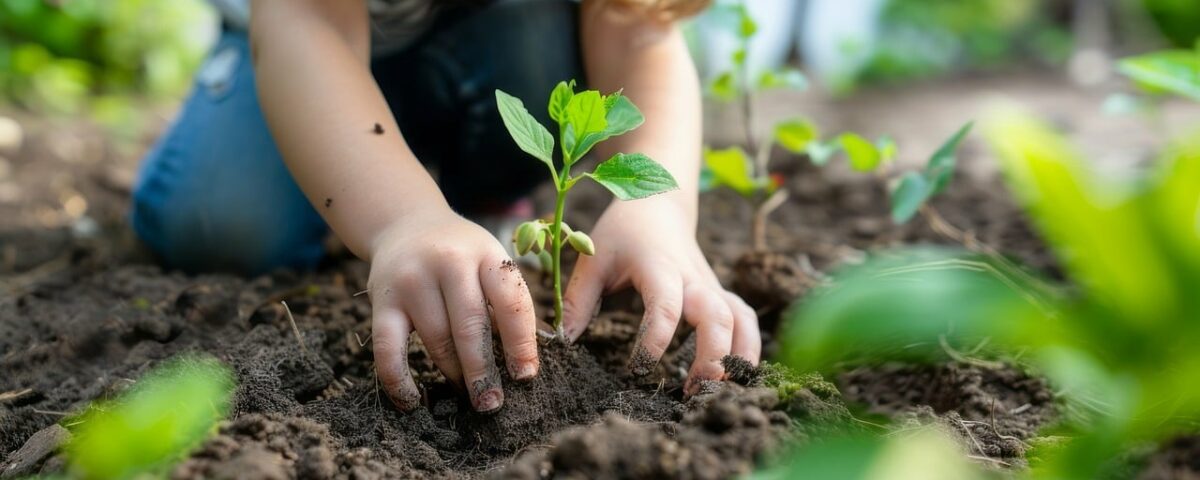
(524, 237)
(581, 243)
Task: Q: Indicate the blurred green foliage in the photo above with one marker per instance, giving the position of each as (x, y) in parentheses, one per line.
(157, 422)
(68, 56)
(1174, 72)
(1178, 20)
(1119, 343)
(922, 38)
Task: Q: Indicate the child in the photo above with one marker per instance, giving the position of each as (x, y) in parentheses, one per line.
(296, 94)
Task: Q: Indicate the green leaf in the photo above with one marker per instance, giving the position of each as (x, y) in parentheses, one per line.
(789, 78)
(820, 152)
(585, 118)
(795, 135)
(747, 27)
(739, 57)
(731, 167)
(1173, 71)
(1100, 234)
(887, 148)
(531, 136)
(940, 168)
(163, 416)
(633, 176)
(912, 192)
(862, 154)
(621, 117)
(724, 87)
(559, 99)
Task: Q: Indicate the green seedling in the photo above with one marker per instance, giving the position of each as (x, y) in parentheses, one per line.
(745, 169)
(154, 424)
(584, 120)
(915, 189)
(1120, 343)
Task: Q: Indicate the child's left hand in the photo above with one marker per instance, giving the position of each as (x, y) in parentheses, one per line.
(651, 245)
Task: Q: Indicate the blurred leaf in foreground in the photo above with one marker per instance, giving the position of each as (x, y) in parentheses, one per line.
(170, 411)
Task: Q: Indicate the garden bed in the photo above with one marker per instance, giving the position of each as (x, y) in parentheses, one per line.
(84, 312)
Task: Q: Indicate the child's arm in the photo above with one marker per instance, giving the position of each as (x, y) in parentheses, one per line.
(430, 269)
(651, 244)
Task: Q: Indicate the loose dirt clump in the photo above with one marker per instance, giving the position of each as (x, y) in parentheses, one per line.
(994, 410)
(1178, 459)
(769, 282)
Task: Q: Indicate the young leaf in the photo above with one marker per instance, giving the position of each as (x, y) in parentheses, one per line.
(863, 155)
(747, 27)
(168, 412)
(559, 99)
(1173, 71)
(739, 57)
(531, 136)
(820, 152)
(621, 117)
(633, 176)
(787, 78)
(731, 167)
(796, 134)
(586, 118)
(724, 87)
(886, 147)
(940, 167)
(586, 113)
(912, 192)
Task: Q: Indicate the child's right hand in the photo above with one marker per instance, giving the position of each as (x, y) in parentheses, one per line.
(447, 277)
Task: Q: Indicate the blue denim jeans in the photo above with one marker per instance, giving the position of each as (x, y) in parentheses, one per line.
(214, 194)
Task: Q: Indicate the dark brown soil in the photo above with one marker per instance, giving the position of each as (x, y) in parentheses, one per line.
(1178, 459)
(994, 410)
(84, 312)
(769, 282)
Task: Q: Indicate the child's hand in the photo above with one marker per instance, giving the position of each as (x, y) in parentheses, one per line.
(651, 245)
(441, 274)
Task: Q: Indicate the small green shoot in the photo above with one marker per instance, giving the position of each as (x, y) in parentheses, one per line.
(584, 120)
(165, 415)
(917, 188)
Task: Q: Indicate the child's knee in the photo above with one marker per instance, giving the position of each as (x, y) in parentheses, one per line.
(197, 234)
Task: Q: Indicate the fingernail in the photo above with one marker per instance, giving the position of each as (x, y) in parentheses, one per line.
(641, 362)
(690, 387)
(405, 401)
(489, 401)
(525, 371)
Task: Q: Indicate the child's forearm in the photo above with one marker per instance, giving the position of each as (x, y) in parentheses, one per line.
(323, 105)
(650, 61)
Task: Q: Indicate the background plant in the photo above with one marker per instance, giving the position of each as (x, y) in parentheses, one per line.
(584, 120)
(745, 169)
(154, 424)
(1121, 344)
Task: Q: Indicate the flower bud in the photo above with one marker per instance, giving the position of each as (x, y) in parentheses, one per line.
(525, 236)
(581, 243)
(539, 244)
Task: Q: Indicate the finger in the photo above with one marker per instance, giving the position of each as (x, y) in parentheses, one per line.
(427, 311)
(513, 309)
(747, 339)
(662, 293)
(707, 310)
(583, 295)
(471, 328)
(389, 341)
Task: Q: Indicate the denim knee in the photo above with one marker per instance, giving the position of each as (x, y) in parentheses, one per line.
(214, 193)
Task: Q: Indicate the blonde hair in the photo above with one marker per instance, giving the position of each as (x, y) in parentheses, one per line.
(662, 9)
